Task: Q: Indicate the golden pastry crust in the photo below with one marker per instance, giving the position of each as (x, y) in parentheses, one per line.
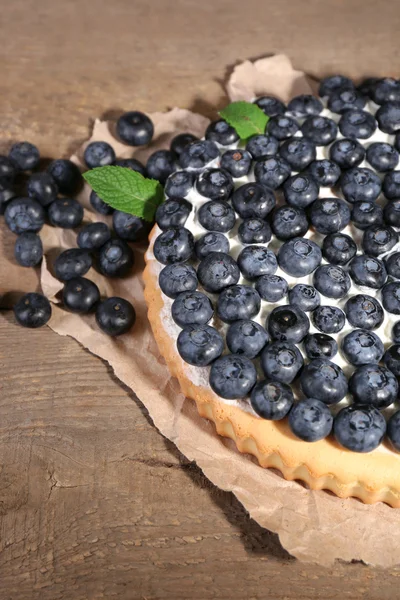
(372, 477)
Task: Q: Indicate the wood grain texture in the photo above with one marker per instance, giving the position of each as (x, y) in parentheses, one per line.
(94, 502)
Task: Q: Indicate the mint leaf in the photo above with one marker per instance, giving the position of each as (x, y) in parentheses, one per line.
(126, 190)
(246, 118)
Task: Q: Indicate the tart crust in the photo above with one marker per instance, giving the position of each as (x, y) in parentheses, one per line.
(372, 477)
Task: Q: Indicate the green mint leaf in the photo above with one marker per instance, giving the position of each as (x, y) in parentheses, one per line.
(126, 190)
(246, 118)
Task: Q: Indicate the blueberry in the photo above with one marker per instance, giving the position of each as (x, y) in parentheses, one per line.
(216, 215)
(191, 308)
(391, 185)
(320, 130)
(179, 184)
(272, 172)
(328, 319)
(359, 428)
(324, 380)
(93, 236)
(177, 278)
(392, 263)
(393, 430)
(72, 263)
(338, 248)
(221, 133)
(8, 169)
(24, 214)
(173, 213)
(217, 271)
(347, 153)
(98, 154)
(282, 127)
(42, 187)
(319, 345)
(325, 172)
(288, 324)
(262, 146)
(310, 420)
(298, 152)
(392, 359)
(373, 385)
(391, 297)
(396, 333)
(271, 288)
(211, 242)
(238, 302)
(25, 156)
(115, 316)
(361, 347)
(247, 338)
(333, 83)
(281, 361)
(215, 184)
(332, 281)
(7, 192)
(364, 312)
(198, 155)
(367, 86)
(357, 123)
(116, 258)
(200, 345)
(391, 213)
(382, 157)
(305, 105)
(135, 128)
(100, 206)
(300, 190)
(304, 297)
(181, 140)
(174, 245)
(329, 215)
(365, 214)
(388, 117)
(255, 261)
(129, 227)
(341, 100)
(288, 222)
(368, 271)
(270, 105)
(271, 400)
(236, 162)
(232, 376)
(379, 240)
(32, 310)
(396, 142)
(131, 163)
(254, 231)
(66, 174)
(66, 213)
(299, 257)
(360, 185)
(386, 90)
(28, 249)
(253, 200)
(160, 165)
(80, 295)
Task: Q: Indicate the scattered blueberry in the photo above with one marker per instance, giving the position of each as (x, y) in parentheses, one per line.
(254, 231)
(305, 105)
(388, 117)
(272, 288)
(25, 156)
(328, 319)
(181, 140)
(347, 153)
(100, 206)
(238, 302)
(66, 174)
(338, 248)
(391, 185)
(116, 258)
(364, 312)
(299, 257)
(320, 130)
(360, 184)
(24, 214)
(173, 213)
(253, 200)
(236, 162)
(66, 213)
(232, 376)
(115, 316)
(191, 308)
(135, 128)
(221, 133)
(319, 345)
(368, 271)
(392, 359)
(198, 155)
(200, 345)
(391, 297)
(217, 271)
(365, 214)
(359, 428)
(288, 222)
(310, 420)
(80, 295)
(272, 172)
(8, 169)
(28, 249)
(129, 227)
(392, 263)
(300, 190)
(215, 184)
(32, 310)
(361, 347)
(131, 163)
(391, 213)
(262, 146)
(42, 187)
(7, 192)
(325, 172)
(288, 324)
(332, 281)
(271, 400)
(298, 152)
(93, 236)
(329, 215)
(72, 263)
(373, 385)
(378, 240)
(160, 165)
(333, 83)
(98, 154)
(216, 215)
(357, 123)
(304, 296)
(281, 361)
(247, 338)
(382, 157)
(211, 242)
(270, 105)
(177, 278)
(179, 184)
(393, 430)
(341, 100)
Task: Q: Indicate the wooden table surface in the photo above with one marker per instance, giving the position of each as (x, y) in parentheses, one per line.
(94, 502)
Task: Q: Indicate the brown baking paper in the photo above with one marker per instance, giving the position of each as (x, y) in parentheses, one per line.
(313, 526)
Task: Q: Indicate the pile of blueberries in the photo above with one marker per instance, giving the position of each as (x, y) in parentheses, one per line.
(30, 197)
(285, 167)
